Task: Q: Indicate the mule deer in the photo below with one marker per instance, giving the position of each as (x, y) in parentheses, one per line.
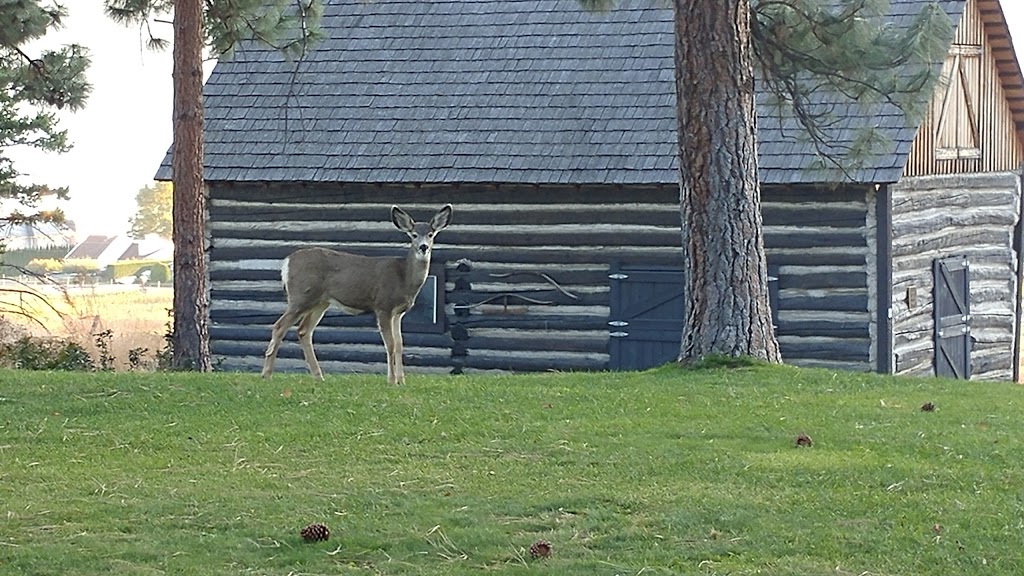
(387, 287)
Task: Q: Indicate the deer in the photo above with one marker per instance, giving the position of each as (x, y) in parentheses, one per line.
(384, 286)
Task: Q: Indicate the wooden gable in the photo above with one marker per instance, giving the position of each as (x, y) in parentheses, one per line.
(975, 121)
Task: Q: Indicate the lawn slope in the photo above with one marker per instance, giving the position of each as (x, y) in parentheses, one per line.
(663, 472)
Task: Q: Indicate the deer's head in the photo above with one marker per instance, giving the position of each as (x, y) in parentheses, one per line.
(421, 233)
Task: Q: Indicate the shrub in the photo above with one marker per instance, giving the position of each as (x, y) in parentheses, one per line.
(80, 266)
(159, 272)
(123, 268)
(137, 358)
(165, 356)
(43, 266)
(29, 353)
(106, 359)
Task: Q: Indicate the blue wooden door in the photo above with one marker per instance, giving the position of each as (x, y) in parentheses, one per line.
(645, 324)
(952, 317)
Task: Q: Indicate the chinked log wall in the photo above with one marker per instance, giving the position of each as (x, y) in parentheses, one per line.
(527, 285)
(817, 242)
(939, 216)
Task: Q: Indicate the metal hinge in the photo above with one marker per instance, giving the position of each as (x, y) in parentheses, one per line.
(619, 334)
(618, 323)
(962, 330)
(618, 276)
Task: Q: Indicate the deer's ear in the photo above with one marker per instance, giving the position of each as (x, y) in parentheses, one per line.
(442, 218)
(402, 221)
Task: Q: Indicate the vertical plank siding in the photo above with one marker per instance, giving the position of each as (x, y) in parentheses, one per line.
(940, 216)
(526, 270)
(997, 138)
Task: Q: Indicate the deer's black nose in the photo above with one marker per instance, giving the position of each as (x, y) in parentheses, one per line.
(424, 248)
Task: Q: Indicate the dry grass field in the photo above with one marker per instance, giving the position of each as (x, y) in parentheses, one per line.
(136, 317)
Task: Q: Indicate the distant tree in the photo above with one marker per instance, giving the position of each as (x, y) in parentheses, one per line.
(809, 54)
(33, 85)
(218, 25)
(153, 211)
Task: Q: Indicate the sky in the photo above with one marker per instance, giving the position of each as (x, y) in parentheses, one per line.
(122, 134)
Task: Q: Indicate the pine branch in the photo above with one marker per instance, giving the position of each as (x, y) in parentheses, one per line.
(812, 59)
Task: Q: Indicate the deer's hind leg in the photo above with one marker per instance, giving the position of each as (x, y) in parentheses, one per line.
(307, 323)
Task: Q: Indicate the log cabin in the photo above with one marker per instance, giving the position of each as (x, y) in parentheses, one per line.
(551, 131)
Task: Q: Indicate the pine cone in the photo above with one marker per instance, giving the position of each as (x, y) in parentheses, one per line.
(315, 533)
(928, 407)
(803, 440)
(540, 549)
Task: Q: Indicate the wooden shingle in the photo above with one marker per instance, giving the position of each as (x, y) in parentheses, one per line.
(522, 91)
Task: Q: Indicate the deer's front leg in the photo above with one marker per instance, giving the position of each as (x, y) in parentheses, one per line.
(276, 335)
(386, 326)
(396, 331)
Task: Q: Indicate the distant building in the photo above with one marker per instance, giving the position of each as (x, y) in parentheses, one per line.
(36, 236)
(103, 249)
(150, 247)
(108, 249)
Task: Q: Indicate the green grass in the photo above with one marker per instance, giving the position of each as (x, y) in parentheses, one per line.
(664, 472)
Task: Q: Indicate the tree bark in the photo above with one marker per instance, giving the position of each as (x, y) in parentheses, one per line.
(191, 296)
(725, 274)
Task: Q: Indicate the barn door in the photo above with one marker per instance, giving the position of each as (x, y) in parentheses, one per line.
(952, 318)
(645, 324)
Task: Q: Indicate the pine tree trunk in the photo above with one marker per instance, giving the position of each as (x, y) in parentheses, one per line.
(725, 274)
(191, 297)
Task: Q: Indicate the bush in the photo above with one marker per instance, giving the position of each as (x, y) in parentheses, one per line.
(159, 272)
(29, 353)
(80, 266)
(44, 266)
(123, 268)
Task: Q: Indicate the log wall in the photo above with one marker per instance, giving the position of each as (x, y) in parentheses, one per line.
(817, 245)
(940, 216)
(525, 270)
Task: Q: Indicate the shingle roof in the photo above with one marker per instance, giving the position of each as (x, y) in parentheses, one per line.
(91, 248)
(528, 91)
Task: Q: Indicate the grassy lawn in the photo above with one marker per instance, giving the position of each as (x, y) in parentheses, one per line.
(664, 472)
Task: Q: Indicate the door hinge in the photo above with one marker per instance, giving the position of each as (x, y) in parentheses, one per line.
(618, 323)
(618, 276)
(619, 334)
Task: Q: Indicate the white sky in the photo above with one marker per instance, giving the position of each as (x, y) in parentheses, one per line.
(124, 131)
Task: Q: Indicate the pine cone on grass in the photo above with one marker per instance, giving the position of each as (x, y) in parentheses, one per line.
(540, 549)
(315, 533)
